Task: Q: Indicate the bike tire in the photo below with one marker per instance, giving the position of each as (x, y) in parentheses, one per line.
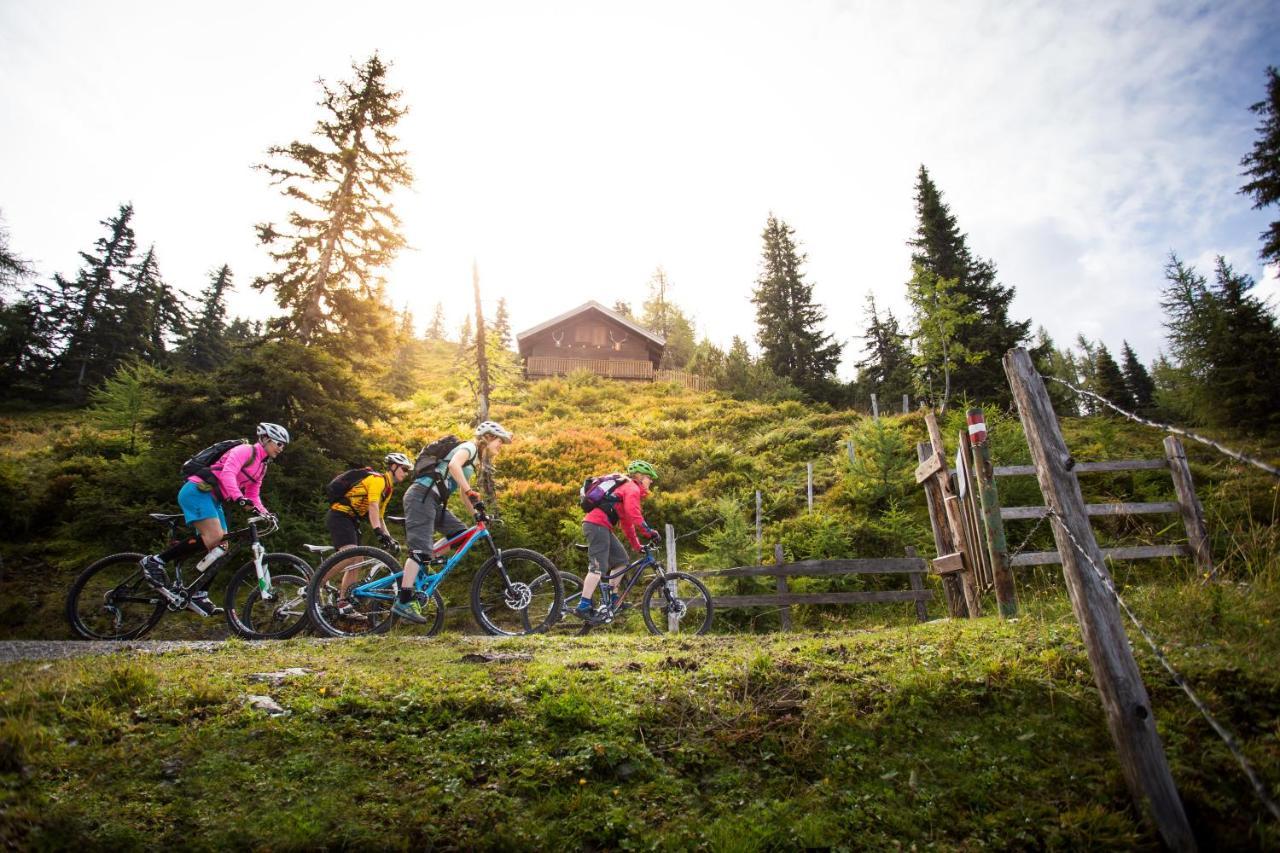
(92, 622)
(530, 604)
(655, 604)
(291, 575)
(324, 589)
(571, 584)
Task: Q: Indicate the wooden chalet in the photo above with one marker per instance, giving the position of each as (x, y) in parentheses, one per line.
(590, 337)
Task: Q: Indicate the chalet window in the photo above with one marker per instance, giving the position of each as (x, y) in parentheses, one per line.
(590, 334)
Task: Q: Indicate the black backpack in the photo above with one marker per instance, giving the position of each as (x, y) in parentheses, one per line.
(337, 488)
(201, 464)
(433, 454)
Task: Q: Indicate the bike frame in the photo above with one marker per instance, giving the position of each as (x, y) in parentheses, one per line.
(636, 567)
(426, 582)
(259, 562)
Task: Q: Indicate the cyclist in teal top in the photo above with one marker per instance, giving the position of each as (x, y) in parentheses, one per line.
(425, 507)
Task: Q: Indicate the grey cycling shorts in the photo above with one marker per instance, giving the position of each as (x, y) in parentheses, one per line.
(421, 512)
(604, 550)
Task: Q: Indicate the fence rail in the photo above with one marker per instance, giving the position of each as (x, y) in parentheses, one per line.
(621, 368)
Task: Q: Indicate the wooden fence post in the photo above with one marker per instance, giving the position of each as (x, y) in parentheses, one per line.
(955, 518)
(906, 403)
(942, 542)
(808, 470)
(875, 408)
(998, 546)
(669, 531)
(784, 612)
(759, 555)
(853, 457)
(1124, 696)
(1188, 504)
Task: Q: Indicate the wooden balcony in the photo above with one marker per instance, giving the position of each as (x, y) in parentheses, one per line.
(541, 365)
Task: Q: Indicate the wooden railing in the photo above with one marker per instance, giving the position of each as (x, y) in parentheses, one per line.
(543, 365)
(691, 381)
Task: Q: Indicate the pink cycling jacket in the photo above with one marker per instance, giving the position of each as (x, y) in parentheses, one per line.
(629, 515)
(239, 474)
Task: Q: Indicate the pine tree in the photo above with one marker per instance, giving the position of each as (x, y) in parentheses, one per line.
(1059, 364)
(624, 308)
(788, 321)
(150, 314)
(206, 346)
(25, 345)
(501, 329)
(1136, 378)
(1263, 164)
(436, 331)
(1108, 381)
(83, 310)
(465, 341)
(942, 250)
(345, 228)
(886, 368)
(13, 269)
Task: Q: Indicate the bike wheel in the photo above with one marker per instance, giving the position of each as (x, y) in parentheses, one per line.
(572, 586)
(676, 604)
(360, 565)
(432, 608)
(517, 594)
(111, 601)
(279, 617)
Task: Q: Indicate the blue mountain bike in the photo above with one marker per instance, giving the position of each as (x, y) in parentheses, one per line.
(515, 592)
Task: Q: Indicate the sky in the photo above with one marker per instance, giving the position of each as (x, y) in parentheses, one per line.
(570, 149)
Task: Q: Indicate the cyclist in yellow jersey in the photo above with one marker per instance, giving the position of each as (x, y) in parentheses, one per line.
(367, 498)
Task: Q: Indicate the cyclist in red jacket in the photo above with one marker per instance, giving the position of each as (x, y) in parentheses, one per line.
(604, 549)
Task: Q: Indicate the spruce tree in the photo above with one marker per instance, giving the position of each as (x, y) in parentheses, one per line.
(624, 308)
(14, 269)
(25, 345)
(788, 321)
(886, 369)
(83, 310)
(1142, 389)
(206, 346)
(150, 314)
(344, 228)
(1263, 164)
(941, 249)
(1059, 364)
(1108, 381)
(501, 329)
(436, 331)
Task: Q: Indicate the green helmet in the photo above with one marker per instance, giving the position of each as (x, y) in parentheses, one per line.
(639, 466)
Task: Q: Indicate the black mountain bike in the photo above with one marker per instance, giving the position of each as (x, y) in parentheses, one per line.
(266, 597)
(672, 602)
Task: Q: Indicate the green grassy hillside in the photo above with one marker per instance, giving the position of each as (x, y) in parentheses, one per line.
(951, 735)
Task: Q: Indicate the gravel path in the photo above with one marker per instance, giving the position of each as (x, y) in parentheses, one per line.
(16, 650)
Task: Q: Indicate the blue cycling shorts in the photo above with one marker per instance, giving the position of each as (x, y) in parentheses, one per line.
(198, 505)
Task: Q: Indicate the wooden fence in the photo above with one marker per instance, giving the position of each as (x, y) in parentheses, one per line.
(691, 381)
(542, 365)
(912, 566)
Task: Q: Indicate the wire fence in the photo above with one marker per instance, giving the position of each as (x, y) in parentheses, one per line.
(1233, 745)
(1221, 448)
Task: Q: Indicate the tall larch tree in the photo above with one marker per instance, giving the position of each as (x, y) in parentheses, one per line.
(343, 229)
(941, 249)
(664, 317)
(788, 321)
(206, 346)
(1262, 164)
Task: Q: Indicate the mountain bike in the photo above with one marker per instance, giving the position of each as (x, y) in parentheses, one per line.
(265, 598)
(515, 592)
(671, 603)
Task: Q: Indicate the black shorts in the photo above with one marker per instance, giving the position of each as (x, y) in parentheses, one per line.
(343, 528)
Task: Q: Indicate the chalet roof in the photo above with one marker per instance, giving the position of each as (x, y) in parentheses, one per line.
(587, 306)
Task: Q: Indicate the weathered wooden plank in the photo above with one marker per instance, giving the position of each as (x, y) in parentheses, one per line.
(1125, 701)
(1188, 504)
(822, 568)
(1087, 467)
(951, 506)
(942, 544)
(947, 563)
(1131, 552)
(917, 584)
(869, 597)
(1013, 513)
(929, 467)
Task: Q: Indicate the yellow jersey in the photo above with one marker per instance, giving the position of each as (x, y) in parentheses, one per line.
(375, 488)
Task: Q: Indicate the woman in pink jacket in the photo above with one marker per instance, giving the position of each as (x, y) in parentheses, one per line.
(604, 550)
(237, 476)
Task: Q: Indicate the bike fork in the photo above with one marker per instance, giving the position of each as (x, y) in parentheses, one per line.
(264, 574)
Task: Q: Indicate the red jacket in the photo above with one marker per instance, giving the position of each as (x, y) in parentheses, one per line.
(629, 515)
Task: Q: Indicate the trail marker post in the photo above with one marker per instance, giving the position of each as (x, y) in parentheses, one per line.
(997, 545)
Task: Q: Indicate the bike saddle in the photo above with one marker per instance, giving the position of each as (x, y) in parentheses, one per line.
(580, 546)
(165, 518)
(318, 549)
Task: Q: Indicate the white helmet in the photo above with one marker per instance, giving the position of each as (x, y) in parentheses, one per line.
(397, 459)
(275, 432)
(493, 428)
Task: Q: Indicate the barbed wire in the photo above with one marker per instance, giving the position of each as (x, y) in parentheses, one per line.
(1259, 788)
(700, 529)
(1234, 454)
